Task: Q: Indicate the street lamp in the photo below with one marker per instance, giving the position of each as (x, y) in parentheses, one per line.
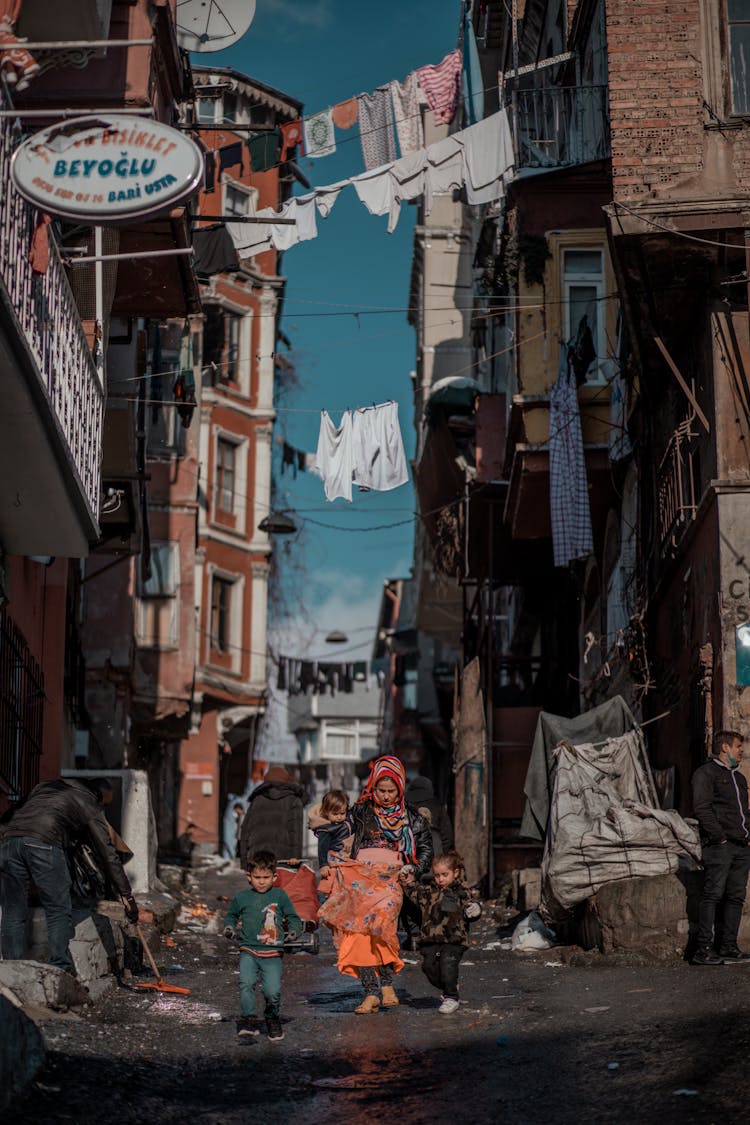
(336, 638)
(277, 523)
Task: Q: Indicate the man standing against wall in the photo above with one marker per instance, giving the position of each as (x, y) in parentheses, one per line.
(720, 801)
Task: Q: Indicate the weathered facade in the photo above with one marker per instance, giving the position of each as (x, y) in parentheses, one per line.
(242, 309)
(627, 208)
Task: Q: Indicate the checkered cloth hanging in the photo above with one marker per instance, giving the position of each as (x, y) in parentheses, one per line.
(569, 495)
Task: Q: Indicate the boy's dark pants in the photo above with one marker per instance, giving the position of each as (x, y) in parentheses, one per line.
(725, 871)
(440, 966)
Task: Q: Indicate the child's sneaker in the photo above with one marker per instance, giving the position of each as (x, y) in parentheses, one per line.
(448, 1006)
(247, 1026)
(274, 1028)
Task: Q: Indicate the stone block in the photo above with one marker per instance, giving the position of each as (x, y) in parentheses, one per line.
(96, 946)
(656, 916)
(35, 983)
(21, 1048)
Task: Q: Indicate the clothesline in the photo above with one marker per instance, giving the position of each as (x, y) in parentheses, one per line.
(479, 159)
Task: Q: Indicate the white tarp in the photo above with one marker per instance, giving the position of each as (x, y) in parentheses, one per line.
(605, 824)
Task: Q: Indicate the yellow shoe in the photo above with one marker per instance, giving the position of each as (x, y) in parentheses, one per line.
(390, 999)
(368, 1007)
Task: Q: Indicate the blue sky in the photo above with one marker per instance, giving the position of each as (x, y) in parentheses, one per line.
(322, 52)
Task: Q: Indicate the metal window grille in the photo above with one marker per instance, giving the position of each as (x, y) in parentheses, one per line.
(21, 711)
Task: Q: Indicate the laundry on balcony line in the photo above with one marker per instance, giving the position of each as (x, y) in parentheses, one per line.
(479, 159)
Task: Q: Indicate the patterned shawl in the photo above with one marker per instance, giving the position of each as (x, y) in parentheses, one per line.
(393, 819)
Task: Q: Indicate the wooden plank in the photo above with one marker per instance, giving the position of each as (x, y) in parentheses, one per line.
(678, 376)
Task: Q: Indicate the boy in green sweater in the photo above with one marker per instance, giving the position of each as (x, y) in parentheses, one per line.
(256, 917)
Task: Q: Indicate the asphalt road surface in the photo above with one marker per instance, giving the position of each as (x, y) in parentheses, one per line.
(535, 1040)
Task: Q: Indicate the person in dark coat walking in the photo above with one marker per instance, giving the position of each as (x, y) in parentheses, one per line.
(274, 818)
(720, 802)
(34, 843)
(420, 793)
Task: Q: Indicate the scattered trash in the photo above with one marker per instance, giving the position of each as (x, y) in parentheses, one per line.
(175, 968)
(553, 964)
(497, 945)
(685, 1092)
(604, 1008)
(613, 1066)
(531, 933)
(465, 963)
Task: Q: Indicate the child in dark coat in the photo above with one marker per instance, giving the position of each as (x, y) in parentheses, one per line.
(447, 908)
(330, 824)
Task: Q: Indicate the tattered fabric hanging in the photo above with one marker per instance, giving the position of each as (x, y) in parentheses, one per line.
(157, 384)
(17, 65)
(184, 386)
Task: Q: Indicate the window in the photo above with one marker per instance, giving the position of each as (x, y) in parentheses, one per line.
(233, 346)
(158, 622)
(583, 290)
(206, 110)
(229, 108)
(221, 602)
(738, 22)
(226, 456)
(236, 201)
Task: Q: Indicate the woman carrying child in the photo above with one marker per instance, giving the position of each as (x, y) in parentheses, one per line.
(364, 905)
(447, 909)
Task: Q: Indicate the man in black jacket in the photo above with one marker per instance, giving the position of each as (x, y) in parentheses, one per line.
(273, 821)
(720, 802)
(33, 846)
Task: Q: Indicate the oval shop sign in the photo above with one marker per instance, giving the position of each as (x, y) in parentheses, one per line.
(107, 168)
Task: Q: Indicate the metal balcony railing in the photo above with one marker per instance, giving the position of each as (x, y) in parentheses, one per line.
(21, 711)
(676, 482)
(560, 126)
(48, 317)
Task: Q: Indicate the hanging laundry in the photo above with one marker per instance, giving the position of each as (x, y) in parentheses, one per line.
(444, 172)
(325, 197)
(376, 190)
(345, 114)
(319, 136)
(156, 393)
(301, 208)
(408, 175)
(209, 173)
(440, 86)
(264, 149)
(407, 114)
(334, 457)
(288, 459)
(214, 251)
(620, 445)
(379, 458)
(488, 158)
(291, 137)
(569, 494)
(39, 250)
(473, 86)
(230, 156)
(581, 350)
(184, 387)
(253, 238)
(376, 128)
(17, 65)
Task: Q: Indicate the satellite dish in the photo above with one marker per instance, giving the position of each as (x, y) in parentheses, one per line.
(212, 25)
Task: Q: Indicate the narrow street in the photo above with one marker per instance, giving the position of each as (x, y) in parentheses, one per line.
(535, 1040)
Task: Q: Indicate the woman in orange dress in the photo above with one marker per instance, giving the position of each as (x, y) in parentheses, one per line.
(364, 905)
